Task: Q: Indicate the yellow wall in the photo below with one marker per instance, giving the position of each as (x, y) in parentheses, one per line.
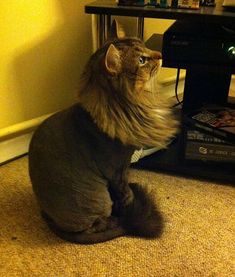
(44, 46)
(158, 26)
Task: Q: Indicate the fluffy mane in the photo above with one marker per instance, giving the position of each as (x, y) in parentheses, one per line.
(118, 93)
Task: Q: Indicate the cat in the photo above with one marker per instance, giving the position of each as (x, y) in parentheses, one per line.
(79, 157)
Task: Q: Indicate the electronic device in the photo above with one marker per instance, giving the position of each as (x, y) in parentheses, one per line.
(188, 43)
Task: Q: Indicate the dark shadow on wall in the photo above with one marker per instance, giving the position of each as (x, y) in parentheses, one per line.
(47, 75)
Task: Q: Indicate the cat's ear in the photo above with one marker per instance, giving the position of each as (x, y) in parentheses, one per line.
(116, 31)
(112, 60)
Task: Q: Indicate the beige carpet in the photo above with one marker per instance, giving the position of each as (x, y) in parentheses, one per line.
(198, 239)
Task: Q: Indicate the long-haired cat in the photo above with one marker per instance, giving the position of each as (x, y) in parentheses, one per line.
(79, 157)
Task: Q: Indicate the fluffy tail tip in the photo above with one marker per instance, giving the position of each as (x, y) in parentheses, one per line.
(142, 218)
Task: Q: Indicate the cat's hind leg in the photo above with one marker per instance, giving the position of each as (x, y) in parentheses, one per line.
(102, 230)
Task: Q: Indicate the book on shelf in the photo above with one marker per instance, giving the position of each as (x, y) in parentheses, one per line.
(218, 121)
(201, 146)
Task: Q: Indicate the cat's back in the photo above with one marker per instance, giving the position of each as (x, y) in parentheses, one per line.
(64, 131)
(52, 136)
(60, 148)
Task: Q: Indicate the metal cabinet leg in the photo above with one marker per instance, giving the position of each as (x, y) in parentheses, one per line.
(103, 25)
(103, 28)
(140, 27)
(107, 25)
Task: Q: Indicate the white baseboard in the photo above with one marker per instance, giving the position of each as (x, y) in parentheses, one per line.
(15, 147)
(168, 90)
(232, 86)
(167, 86)
(14, 140)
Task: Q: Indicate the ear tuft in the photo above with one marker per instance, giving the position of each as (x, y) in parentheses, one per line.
(112, 60)
(117, 30)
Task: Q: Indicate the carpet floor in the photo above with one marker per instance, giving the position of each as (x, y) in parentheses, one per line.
(197, 241)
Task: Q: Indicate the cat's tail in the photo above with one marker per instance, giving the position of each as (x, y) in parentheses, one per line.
(141, 218)
(84, 237)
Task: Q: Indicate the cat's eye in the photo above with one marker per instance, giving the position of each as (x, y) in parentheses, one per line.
(142, 60)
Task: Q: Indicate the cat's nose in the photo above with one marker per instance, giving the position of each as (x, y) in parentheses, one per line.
(157, 55)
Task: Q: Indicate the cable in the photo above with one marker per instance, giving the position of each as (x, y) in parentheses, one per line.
(176, 88)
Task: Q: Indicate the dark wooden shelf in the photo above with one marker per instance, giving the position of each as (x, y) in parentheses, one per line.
(213, 14)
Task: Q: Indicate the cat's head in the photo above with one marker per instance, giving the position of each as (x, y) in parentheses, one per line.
(129, 59)
(117, 89)
(125, 62)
